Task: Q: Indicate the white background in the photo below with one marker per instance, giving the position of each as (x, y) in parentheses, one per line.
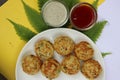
(110, 38)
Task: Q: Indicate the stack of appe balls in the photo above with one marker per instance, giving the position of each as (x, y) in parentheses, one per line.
(73, 54)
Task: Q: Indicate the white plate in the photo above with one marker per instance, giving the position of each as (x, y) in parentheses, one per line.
(51, 35)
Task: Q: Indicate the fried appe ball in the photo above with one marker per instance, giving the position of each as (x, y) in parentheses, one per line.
(63, 45)
(70, 65)
(31, 64)
(44, 49)
(91, 69)
(84, 50)
(51, 68)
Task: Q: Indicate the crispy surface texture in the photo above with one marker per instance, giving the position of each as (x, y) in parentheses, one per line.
(63, 45)
(91, 69)
(70, 65)
(44, 49)
(51, 68)
(31, 64)
(84, 50)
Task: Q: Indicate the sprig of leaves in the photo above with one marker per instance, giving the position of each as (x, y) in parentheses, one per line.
(95, 32)
(41, 3)
(35, 18)
(23, 32)
(95, 4)
(70, 3)
(105, 54)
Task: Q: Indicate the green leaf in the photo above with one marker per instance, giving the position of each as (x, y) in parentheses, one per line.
(35, 18)
(41, 3)
(105, 54)
(95, 4)
(23, 32)
(95, 31)
(71, 3)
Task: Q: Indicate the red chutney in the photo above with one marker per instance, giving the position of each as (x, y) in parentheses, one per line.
(83, 16)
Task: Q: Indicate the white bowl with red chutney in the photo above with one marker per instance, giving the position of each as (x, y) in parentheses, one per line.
(83, 16)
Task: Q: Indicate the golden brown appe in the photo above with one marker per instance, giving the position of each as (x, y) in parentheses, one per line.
(84, 50)
(91, 69)
(51, 68)
(63, 45)
(44, 49)
(31, 64)
(70, 65)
